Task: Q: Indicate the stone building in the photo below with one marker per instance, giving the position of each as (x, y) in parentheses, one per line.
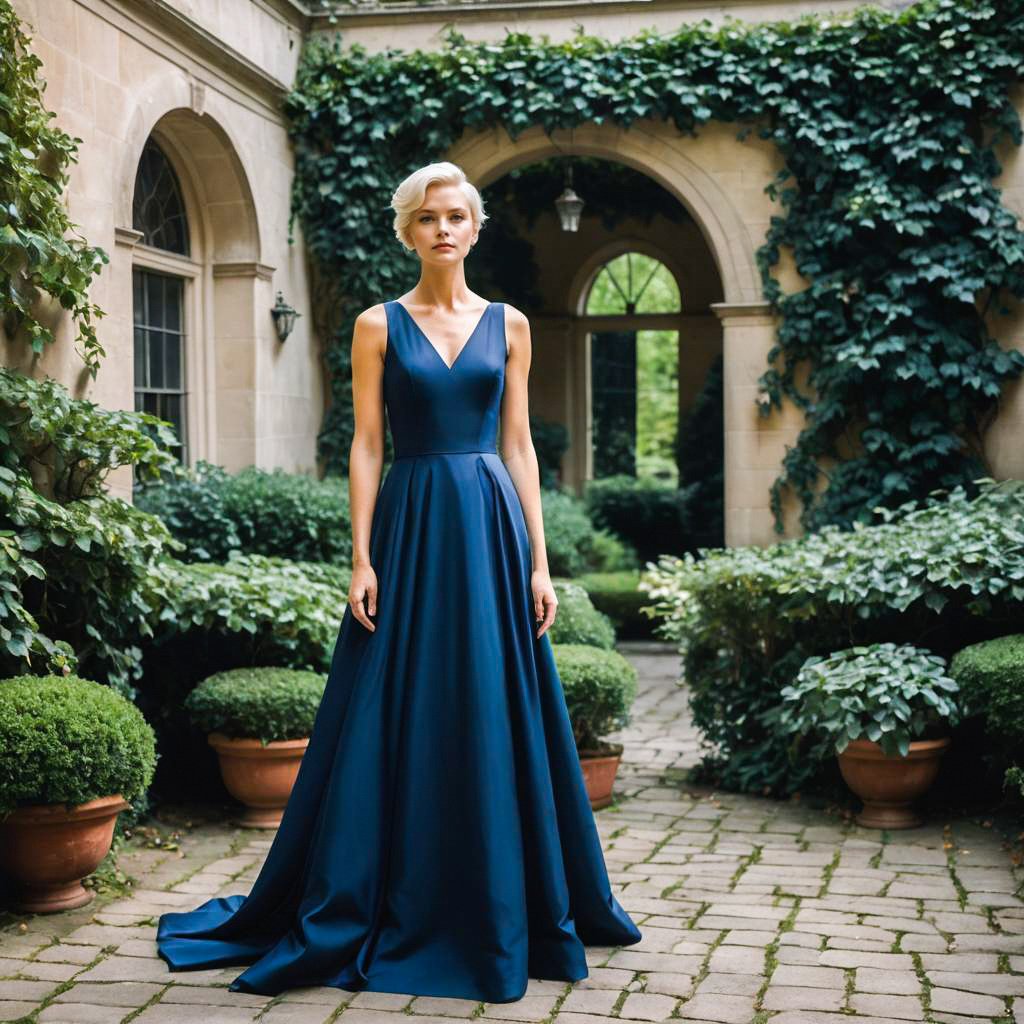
(184, 174)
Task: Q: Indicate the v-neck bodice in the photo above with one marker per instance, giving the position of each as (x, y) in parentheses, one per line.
(436, 408)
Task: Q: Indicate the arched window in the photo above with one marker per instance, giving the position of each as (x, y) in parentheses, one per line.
(158, 297)
(634, 371)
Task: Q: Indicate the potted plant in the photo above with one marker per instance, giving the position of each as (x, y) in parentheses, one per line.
(73, 755)
(599, 687)
(259, 721)
(885, 710)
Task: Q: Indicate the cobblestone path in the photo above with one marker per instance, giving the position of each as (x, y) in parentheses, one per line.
(752, 911)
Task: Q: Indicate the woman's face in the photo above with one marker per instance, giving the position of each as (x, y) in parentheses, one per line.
(443, 218)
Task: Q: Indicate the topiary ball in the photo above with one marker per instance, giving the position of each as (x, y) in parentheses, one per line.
(599, 688)
(264, 703)
(66, 740)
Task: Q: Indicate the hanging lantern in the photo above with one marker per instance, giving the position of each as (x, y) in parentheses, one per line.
(284, 317)
(568, 204)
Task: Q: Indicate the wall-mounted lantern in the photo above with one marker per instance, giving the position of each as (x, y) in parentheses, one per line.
(284, 317)
(568, 204)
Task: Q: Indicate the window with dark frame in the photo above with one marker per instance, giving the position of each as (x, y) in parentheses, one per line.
(158, 298)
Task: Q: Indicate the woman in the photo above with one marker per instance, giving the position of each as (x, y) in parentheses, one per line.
(438, 839)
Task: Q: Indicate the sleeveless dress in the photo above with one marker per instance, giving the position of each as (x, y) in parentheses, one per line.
(438, 839)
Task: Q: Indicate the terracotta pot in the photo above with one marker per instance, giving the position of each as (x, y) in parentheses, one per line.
(599, 767)
(261, 777)
(889, 785)
(47, 849)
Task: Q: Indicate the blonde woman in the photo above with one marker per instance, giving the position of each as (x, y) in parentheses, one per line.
(438, 840)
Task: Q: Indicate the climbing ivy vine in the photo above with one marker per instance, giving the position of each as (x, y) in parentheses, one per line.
(888, 123)
(37, 259)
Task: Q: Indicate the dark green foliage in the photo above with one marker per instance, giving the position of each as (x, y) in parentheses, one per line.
(700, 456)
(68, 740)
(618, 596)
(252, 610)
(192, 509)
(889, 693)
(77, 593)
(267, 512)
(577, 621)
(599, 686)
(937, 574)
(991, 678)
(572, 542)
(263, 703)
(652, 516)
(41, 265)
(887, 122)
(550, 441)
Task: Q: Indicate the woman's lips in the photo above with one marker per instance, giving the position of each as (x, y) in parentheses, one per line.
(444, 245)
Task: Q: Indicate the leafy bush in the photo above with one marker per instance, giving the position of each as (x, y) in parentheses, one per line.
(43, 255)
(268, 512)
(80, 594)
(991, 678)
(573, 544)
(267, 704)
(68, 740)
(939, 575)
(192, 509)
(599, 686)
(577, 621)
(884, 692)
(550, 441)
(617, 595)
(651, 516)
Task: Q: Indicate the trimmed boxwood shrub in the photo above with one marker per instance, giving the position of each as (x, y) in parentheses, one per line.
(68, 740)
(263, 703)
(991, 678)
(599, 686)
(577, 621)
(617, 595)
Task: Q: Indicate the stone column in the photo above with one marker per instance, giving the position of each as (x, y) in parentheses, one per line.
(754, 445)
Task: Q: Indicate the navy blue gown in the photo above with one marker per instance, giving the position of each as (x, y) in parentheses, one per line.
(438, 839)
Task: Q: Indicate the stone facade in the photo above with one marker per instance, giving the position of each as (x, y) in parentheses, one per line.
(204, 79)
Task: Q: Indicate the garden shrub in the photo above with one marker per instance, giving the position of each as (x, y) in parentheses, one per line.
(991, 678)
(267, 512)
(889, 693)
(577, 621)
(651, 516)
(80, 595)
(261, 703)
(573, 543)
(617, 594)
(938, 574)
(550, 441)
(64, 739)
(252, 610)
(599, 686)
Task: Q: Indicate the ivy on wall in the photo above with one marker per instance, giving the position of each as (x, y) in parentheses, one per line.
(887, 123)
(39, 265)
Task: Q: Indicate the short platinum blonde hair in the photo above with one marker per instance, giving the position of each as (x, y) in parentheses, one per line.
(411, 193)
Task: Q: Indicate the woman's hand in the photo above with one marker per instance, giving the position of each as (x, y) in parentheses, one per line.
(363, 585)
(544, 600)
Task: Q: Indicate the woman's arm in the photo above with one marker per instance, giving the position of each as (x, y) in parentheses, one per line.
(366, 455)
(520, 458)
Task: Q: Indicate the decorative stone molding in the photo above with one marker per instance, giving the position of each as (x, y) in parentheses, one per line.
(128, 237)
(244, 268)
(746, 312)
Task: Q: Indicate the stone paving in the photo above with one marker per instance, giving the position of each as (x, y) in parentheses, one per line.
(751, 911)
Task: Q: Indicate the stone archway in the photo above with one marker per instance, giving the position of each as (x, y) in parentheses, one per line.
(721, 182)
(229, 284)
